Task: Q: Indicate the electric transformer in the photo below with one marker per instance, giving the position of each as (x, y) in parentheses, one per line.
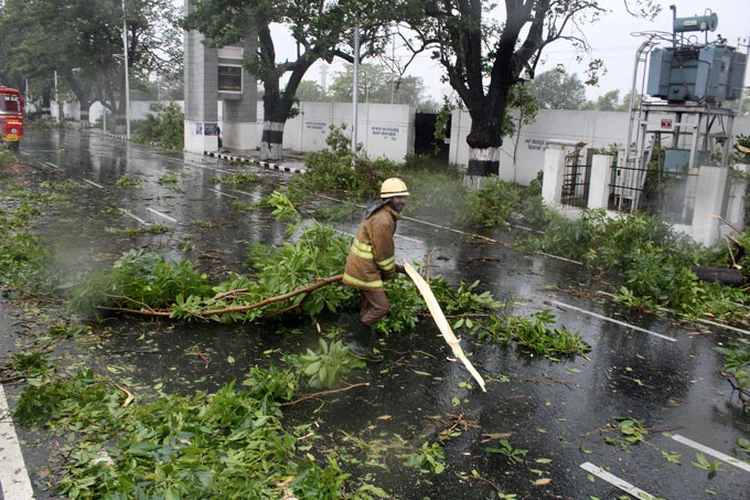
(708, 73)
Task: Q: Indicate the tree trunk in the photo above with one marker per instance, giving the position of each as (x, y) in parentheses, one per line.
(272, 140)
(483, 163)
(484, 140)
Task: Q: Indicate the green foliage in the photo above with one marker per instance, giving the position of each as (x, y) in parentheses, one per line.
(514, 455)
(532, 334)
(318, 253)
(328, 365)
(337, 170)
(128, 181)
(25, 263)
(270, 383)
(652, 258)
(703, 463)
(138, 278)
(490, 206)
(462, 299)
(632, 432)
(335, 211)
(77, 402)
(737, 362)
(30, 364)
(227, 445)
(168, 179)
(428, 458)
(405, 305)
(165, 124)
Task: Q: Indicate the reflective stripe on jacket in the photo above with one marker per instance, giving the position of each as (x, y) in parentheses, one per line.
(371, 257)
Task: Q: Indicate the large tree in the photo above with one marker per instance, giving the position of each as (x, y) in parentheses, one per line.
(484, 56)
(377, 84)
(82, 40)
(556, 89)
(322, 30)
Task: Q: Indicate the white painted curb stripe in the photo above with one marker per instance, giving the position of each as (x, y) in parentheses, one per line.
(93, 183)
(710, 451)
(162, 215)
(134, 217)
(223, 194)
(611, 320)
(14, 478)
(616, 481)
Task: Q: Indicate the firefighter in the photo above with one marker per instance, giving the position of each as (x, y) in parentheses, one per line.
(371, 260)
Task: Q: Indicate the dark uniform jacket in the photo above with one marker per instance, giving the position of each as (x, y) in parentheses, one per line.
(371, 258)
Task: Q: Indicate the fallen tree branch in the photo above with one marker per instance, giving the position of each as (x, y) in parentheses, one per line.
(271, 300)
(324, 393)
(166, 312)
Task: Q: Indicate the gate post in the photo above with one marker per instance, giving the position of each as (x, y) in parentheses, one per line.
(554, 170)
(601, 173)
(736, 208)
(709, 195)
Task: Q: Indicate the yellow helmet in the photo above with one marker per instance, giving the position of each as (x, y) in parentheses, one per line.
(393, 186)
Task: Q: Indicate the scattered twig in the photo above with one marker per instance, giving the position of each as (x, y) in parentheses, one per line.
(324, 393)
(136, 311)
(120, 297)
(12, 379)
(230, 293)
(480, 478)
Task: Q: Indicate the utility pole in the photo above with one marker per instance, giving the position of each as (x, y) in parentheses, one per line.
(127, 76)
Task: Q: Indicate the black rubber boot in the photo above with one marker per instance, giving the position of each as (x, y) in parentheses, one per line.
(359, 341)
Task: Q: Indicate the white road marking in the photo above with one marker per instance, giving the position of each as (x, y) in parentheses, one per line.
(616, 481)
(721, 325)
(223, 194)
(611, 320)
(162, 215)
(52, 165)
(14, 478)
(244, 192)
(710, 451)
(93, 183)
(134, 217)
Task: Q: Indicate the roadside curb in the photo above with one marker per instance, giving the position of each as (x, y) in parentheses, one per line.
(252, 161)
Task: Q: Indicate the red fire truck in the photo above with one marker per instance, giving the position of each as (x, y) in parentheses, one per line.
(11, 115)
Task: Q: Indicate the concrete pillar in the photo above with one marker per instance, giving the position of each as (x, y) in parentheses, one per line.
(201, 92)
(736, 207)
(601, 175)
(240, 121)
(554, 169)
(709, 195)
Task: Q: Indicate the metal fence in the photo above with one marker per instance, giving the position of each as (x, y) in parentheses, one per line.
(576, 179)
(671, 195)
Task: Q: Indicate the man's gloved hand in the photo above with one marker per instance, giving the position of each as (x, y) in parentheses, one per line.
(400, 269)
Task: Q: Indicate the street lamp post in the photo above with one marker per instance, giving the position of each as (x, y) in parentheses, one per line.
(355, 92)
(127, 77)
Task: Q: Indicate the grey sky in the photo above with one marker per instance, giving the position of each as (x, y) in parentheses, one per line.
(611, 40)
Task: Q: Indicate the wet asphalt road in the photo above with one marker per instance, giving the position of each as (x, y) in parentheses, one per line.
(664, 375)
